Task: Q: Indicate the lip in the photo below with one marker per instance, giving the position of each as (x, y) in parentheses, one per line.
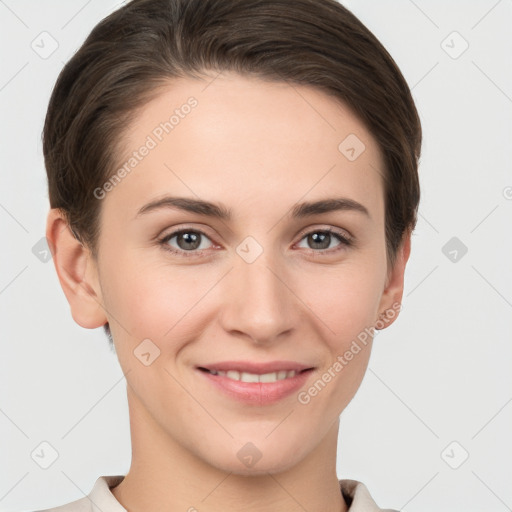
(256, 393)
(257, 368)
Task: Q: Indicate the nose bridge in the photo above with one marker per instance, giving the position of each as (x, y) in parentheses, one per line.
(259, 302)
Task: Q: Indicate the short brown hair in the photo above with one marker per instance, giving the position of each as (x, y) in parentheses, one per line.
(146, 43)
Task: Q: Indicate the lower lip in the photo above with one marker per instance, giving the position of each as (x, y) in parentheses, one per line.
(258, 393)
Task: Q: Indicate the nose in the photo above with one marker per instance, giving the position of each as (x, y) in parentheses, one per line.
(258, 300)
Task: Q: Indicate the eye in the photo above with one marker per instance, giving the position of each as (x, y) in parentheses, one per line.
(320, 240)
(189, 242)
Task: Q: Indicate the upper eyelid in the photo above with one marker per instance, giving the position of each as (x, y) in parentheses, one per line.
(184, 229)
(336, 231)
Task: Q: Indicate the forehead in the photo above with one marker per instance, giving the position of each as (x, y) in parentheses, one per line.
(241, 140)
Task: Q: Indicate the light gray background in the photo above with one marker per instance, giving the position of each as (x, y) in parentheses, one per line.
(440, 374)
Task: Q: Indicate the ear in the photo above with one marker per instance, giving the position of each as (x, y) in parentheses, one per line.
(391, 299)
(77, 272)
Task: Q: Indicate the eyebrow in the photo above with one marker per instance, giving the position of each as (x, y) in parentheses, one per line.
(209, 209)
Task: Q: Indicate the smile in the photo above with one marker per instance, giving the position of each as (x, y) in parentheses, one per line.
(254, 377)
(256, 384)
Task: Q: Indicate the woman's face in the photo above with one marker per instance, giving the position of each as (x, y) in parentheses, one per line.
(265, 290)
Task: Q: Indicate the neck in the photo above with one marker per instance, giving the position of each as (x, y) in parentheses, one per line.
(165, 475)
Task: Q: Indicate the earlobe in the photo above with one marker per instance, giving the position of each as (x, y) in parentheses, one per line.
(77, 272)
(391, 300)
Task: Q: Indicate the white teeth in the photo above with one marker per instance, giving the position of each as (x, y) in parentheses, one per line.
(253, 377)
(249, 377)
(269, 377)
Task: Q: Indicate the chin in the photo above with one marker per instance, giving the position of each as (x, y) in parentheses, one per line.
(249, 460)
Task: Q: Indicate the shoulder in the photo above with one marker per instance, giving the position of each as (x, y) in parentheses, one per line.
(355, 494)
(358, 498)
(100, 498)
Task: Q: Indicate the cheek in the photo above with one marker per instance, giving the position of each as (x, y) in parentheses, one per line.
(153, 300)
(344, 299)
(345, 303)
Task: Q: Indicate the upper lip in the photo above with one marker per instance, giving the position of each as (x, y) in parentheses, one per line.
(256, 368)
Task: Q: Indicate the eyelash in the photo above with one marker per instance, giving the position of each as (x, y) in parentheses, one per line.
(345, 242)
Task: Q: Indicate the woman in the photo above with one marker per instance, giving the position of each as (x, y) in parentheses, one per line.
(233, 187)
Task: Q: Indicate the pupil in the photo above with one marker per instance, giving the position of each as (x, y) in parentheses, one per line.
(323, 237)
(189, 238)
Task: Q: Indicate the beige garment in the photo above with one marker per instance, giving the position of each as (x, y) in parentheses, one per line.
(101, 499)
